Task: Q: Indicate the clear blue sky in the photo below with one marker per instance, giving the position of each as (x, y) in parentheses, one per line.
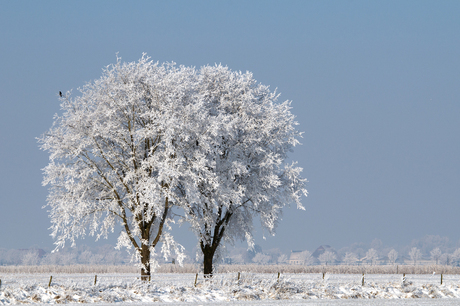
(374, 84)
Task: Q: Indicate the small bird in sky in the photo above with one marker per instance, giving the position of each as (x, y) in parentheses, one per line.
(60, 94)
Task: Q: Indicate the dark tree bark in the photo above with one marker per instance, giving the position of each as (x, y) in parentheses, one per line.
(208, 256)
(145, 244)
(209, 248)
(145, 271)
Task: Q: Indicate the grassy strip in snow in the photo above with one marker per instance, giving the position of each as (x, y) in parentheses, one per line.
(271, 269)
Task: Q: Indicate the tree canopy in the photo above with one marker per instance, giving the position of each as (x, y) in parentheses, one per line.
(245, 144)
(116, 155)
(145, 138)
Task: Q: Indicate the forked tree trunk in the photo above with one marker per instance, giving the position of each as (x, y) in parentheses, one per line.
(145, 242)
(145, 252)
(210, 249)
(145, 260)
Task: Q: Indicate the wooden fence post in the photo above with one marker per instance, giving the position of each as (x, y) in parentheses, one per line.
(95, 280)
(279, 276)
(196, 278)
(238, 276)
(362, 282)
(49, 284)
(441, 278)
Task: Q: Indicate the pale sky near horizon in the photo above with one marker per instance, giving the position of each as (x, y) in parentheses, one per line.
(374, 85)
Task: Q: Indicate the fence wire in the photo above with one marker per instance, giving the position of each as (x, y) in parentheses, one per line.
(190, 279)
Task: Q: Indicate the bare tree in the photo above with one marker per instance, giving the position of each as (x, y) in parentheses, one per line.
(456, 257)
(12, 257)
(415, 255)
(350, 258)
(31, 258)
(392, 256)
(327, 257)
(372, 256)
(445, 259)
(261, 259)
(283, 259)
(436, 254)
(237, 259)
(307, 258)
(429, 242)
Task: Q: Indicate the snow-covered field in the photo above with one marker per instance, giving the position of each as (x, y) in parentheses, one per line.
(251, 289)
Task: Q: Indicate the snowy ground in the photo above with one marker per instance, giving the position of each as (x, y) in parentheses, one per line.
(225, 289)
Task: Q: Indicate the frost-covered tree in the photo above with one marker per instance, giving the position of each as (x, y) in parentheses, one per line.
(327, 257)
(456, 257)
(11, 257)
(261, 259)
(392, 256)
(307, 258)
(244, 140)
(59, 258)
(274, 254)
(350, 258)
(118, 153)
(429, 242)
(446, 259)
(86, 257)
(283, 259)
(436, 254)
(415, 255)
(113, 258)
(31, 258)
(372, 256)
(237, 259)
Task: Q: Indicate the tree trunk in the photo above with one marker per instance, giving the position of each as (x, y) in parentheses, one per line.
(208, 255)
(209, 249)
(145, 254)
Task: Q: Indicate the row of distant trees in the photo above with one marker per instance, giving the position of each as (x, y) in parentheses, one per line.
(392, 257)
(371, 257)
(435, 255)
(107, 255)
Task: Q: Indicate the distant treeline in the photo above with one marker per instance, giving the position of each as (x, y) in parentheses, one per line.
(105, 255)
(427, 251)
